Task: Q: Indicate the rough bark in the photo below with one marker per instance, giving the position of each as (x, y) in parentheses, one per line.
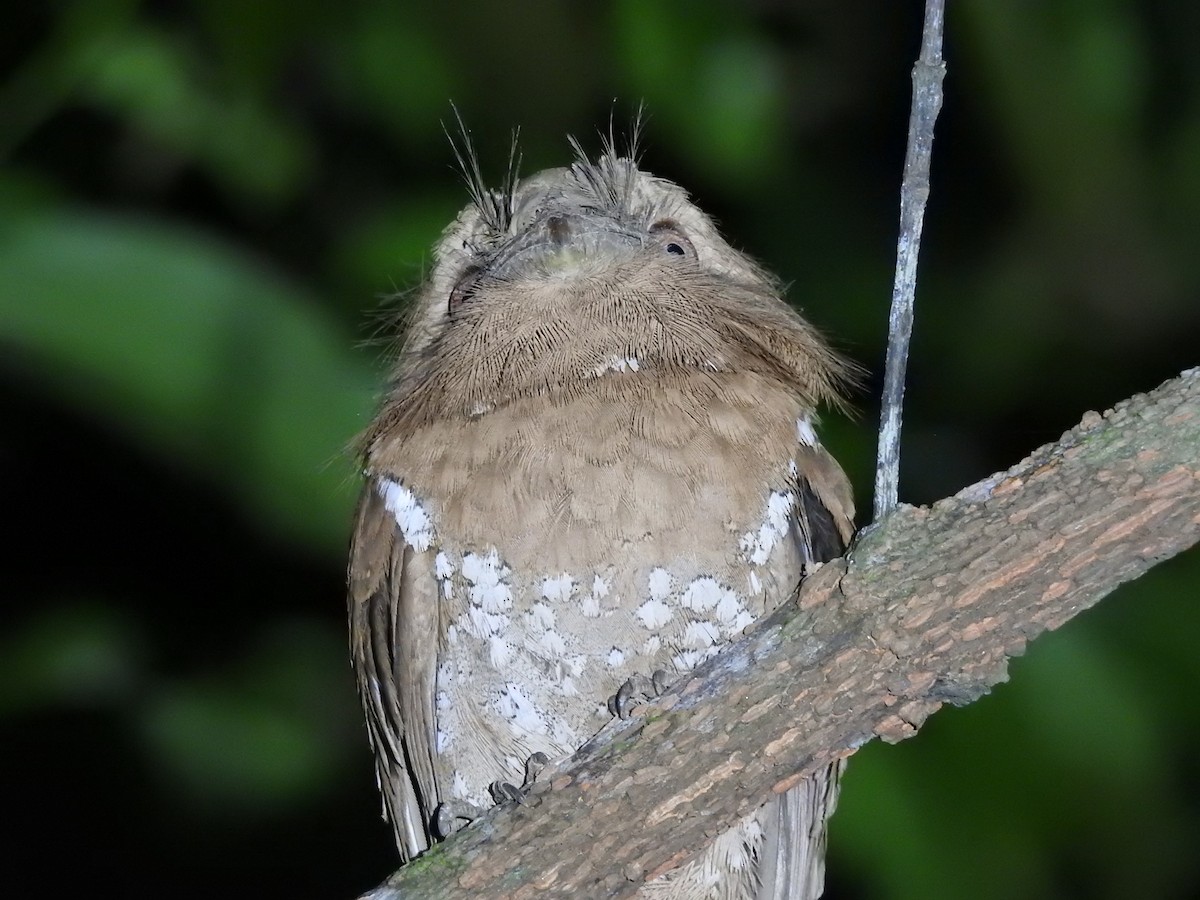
(925, 610)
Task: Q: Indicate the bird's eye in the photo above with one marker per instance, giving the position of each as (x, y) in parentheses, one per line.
(464, 288)
(667, 235)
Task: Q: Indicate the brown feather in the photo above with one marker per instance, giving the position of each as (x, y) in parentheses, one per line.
(597, 444)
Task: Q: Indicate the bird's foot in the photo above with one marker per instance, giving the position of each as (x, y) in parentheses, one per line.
(452, 816)
(638, 689)
(505, 791)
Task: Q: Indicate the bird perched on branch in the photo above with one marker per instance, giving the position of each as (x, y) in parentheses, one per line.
(595, 464)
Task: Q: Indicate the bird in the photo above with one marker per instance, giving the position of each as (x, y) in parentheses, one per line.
(594, 464)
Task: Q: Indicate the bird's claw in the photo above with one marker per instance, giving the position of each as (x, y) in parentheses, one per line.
(534, 766)
(449, 814)
(638, 689)
(505, 791)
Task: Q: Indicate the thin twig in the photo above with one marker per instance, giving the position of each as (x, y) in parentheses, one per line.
(927, 78)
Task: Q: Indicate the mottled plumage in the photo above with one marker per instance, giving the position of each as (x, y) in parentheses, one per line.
(596, 459)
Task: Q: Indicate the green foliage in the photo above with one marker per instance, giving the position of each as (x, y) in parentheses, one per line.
(254, 739)
(71, 655)
(196, 351)
(713, 82)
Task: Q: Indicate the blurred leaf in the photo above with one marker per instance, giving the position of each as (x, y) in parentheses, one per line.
(254, 738)
(80, 39)
(742, 84)
(154, 81)
(260, 44)
(1065, 111)
(390, 64)
(77, 655)
(710, 77)
(195, 350)
(392, 249)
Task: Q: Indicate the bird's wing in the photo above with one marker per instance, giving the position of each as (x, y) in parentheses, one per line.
(823, 516)
(394, 639)
(793, 855)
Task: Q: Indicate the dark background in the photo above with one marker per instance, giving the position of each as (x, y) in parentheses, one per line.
(202, 206)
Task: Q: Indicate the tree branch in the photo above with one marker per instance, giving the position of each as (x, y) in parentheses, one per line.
(925, 610)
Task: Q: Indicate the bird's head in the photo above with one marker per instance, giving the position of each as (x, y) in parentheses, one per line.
(581, 274)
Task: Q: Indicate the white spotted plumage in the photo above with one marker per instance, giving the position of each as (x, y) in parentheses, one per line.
(682, 619)
(410, 515)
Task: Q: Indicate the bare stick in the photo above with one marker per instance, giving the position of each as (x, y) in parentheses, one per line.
(927, 78)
